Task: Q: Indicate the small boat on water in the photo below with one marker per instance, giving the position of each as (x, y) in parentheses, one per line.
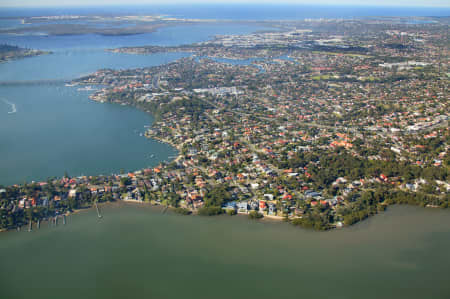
(13, 106)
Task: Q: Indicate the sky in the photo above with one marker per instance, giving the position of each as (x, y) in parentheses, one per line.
(39, 3)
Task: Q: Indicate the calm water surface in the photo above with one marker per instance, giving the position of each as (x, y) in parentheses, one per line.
(57, 129)
(137, 252)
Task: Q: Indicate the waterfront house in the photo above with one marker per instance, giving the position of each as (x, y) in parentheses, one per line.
(272, 209)
(242, 207)
(268, 196)
(72, 193)
(230, 206)
(253, 205)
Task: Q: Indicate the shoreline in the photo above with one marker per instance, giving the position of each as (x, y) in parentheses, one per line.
(31, 55)
(163, 209)
(178, 147)
(197, 179)
(116, 204)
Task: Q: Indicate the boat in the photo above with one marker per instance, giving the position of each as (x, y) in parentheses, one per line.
(13, 106)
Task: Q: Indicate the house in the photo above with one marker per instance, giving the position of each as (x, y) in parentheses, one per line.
(410, 187)
(230, 206)
(299, 212)
(242, 207)
(312, 194)
(72, 193)
(272, 209)
(268, 196)
(287, 196)
(22, 203)
(198, 204)
(262, 205)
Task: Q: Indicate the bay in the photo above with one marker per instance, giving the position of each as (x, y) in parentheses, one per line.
(166, 36)
(56, 129)
(138, 252)
(71, 64)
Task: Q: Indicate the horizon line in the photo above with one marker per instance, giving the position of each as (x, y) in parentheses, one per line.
(224, 4)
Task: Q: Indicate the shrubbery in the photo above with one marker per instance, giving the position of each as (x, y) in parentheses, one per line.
(210, 211)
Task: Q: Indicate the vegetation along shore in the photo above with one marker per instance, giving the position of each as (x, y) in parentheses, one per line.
(322, 124)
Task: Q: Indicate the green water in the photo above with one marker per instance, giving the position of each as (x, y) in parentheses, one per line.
(137, 252)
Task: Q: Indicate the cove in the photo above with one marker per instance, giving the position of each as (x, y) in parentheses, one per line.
(56, 129)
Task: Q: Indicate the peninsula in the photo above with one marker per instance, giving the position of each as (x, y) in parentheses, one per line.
(323, 124)
(8, 52)
(106, 25)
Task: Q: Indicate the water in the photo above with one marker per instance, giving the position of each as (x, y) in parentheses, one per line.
(13, 106)
(137, 252)
(55, 128)
(167, 36)
(236, 11)
(70, 64)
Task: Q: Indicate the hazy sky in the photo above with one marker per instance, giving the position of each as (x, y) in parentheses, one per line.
(36, 3)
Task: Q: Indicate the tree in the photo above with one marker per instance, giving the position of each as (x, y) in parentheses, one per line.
(126, 181)
(210, 211)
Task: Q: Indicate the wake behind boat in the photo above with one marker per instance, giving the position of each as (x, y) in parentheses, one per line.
(13, 106)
